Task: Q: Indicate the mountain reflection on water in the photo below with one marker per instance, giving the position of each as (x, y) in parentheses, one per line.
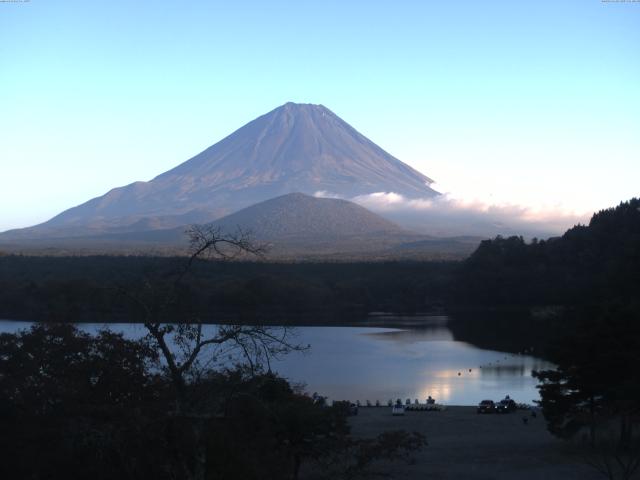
(373, 363)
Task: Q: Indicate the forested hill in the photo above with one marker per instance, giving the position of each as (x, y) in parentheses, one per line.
(588, 264)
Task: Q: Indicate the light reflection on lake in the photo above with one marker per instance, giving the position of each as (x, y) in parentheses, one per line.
(363, 363)
(382, 364)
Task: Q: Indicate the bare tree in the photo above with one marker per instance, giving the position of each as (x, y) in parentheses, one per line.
(182, 342)
(189, 348)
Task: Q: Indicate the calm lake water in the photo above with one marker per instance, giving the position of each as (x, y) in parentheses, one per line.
(363, 363)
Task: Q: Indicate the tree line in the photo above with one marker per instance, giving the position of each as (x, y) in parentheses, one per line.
(589, 263)
(77, 406)
(82, 289)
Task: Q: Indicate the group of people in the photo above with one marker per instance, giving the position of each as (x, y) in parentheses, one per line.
(430, 401)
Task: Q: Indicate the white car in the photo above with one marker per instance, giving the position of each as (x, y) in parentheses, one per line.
(397, 410)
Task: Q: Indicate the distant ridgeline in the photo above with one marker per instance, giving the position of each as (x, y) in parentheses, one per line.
(588, 270)
(513, 291)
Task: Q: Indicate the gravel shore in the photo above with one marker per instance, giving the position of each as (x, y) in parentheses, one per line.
(464, 445)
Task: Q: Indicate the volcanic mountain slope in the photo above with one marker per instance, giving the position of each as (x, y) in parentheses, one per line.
(294, 148)
(296, 215)
(300, 226)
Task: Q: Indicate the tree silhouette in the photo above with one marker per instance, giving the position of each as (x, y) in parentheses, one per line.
(596, 388)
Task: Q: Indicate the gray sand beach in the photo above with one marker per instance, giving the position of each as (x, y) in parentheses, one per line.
(466, 446)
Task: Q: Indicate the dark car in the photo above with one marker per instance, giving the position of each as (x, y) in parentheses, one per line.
(486, 406)
(345, 407)
(506, 406)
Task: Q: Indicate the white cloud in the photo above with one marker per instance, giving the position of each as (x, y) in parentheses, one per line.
(449, 215)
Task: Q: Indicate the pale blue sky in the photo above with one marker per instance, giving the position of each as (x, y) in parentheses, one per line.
(534, 103)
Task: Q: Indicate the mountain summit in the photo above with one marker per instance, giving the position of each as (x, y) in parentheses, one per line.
(294, 148)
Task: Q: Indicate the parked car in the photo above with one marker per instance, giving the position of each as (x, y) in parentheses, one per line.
(346, 407)
(486, 406)
(506, 406)
(397, 410)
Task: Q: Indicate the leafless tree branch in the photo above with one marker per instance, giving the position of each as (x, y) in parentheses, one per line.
(256, 344)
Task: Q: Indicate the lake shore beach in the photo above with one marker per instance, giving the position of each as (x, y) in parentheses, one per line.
(464, 445)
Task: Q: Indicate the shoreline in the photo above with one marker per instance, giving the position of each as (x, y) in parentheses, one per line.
(378, 320)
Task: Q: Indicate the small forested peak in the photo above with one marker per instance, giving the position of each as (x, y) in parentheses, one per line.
(625, 216)
(587, 264)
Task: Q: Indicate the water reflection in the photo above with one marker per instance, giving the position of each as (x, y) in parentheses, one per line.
(382, 364)
(362, 363)
(511, 370)
(414, 335)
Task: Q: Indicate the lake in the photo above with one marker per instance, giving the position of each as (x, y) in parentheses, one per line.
(373, 363)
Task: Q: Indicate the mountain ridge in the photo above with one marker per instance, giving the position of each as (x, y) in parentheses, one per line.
(293, 148)
(292, 226)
